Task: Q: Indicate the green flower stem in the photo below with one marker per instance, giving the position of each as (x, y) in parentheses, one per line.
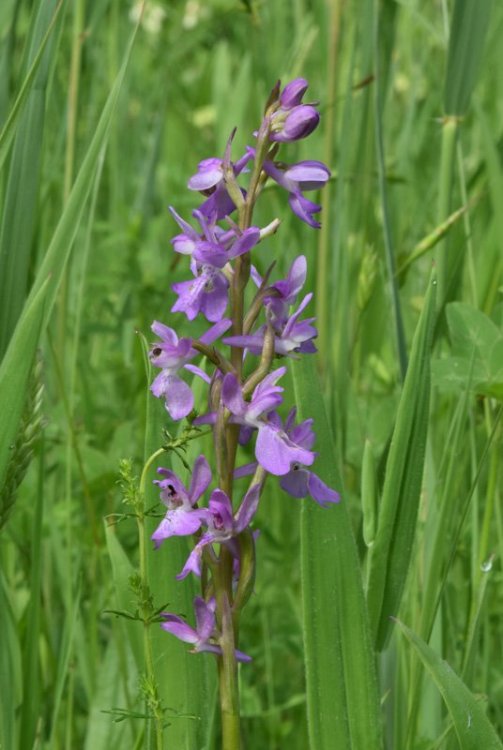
(231, 731)
(154, 703)
(242, 265)
(227, 665)
(239, 281)
(226, 442)
(264, 364)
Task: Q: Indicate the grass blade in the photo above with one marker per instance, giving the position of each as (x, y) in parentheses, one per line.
(389, 249)
(10, 669)
(9, 129)
(21, 196)
(30, 708)
(470, 22)
(15, 367)
(473, 728)
(183, 679)
(391, 553)
(342, 693)
(15, 373)
(122, 570)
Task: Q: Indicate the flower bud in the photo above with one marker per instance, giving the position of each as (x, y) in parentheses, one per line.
(293, 92)
(294, 124)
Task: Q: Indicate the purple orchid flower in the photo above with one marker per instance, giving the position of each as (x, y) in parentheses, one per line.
(209, 180)
(182, 518)
(299, 482)
(296, 178)
(223, 526)
(210, 173)
(214, 246)
(292, 338)
(188, 241)
(274, 449)
(204, 632)
(173, 354)
(219, 254)
(285, 290)
(206, 293)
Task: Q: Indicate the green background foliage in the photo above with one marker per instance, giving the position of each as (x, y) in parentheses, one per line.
(103, 118)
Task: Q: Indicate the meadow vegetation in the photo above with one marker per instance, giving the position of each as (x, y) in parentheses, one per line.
(104, 116)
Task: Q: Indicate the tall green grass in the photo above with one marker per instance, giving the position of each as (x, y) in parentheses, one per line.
(376, 624)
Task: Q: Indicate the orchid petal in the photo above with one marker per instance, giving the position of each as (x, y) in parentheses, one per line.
(320, 492)
(179, 522)
(276, 452)
(179, 398)
(205, 617)
(293, 92)
(221, 508)
(214, 333)
(232, 396)
(248, 508)
(201, 479)
(180, 629)
(296, 483)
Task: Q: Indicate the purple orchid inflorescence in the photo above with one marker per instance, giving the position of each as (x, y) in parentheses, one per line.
(244, 395)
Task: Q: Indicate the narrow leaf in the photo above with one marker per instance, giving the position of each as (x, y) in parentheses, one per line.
(341, 684)
(19, 211)
(122, 570)
(15, 367)
(473, 728)
(10, 669)
(9, 129)
(391, 553)
(15, 372)
(183, 678)
(470, 22)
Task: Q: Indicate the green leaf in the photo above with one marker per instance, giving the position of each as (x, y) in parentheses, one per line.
(473, 728)
(15, 367)
(30, 709)
(15, 372)
(470, 22)
(19, 214)
(113, 688)
(477, 353)
(122, 570)
(183, 678)
(341, 684)
(9, 129)
(391, 552)
(10, 669)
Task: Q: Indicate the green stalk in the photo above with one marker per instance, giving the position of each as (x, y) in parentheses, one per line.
(322, 264)
(492, 489)
(71, 139)
(447, 160)
(227, 665)
(401, 345)
(226, 442)
(242, 266)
